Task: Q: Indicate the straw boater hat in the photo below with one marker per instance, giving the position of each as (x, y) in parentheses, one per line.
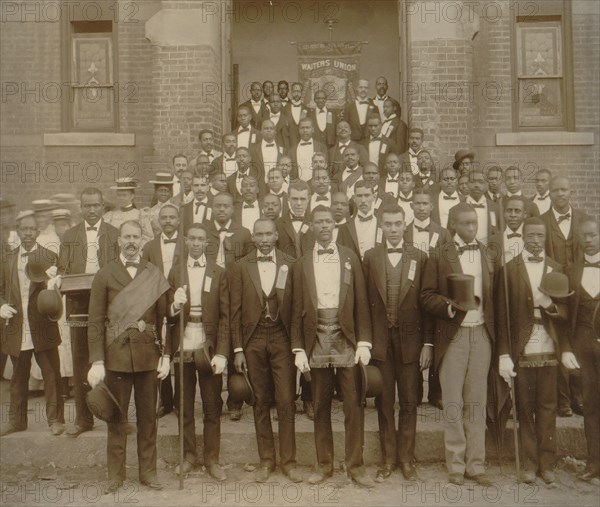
(163, 179)
(61, 214)
(61, 199)
(23, 214)
(43, 205)
(125, 184)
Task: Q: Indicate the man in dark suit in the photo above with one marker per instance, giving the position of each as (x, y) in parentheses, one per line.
(542, 186)
(425, 178)
(350, 172)
(283, 88)
(256, 106)
(564, 246)
(324, 120)
(447, 197)
(513, 177)
(377, 145)
(126, 350)
(333, 334)
(206, 138)
(530, 349)
(266, 154)
(401, 346)
(226, 163)
(393, 127)
(285, 129)
(408, 159)
(261, 307)
(25, 332)
(487, 211)
(336, 152)
(423, 233)
(248, 211)
(203, 296)
(462, 344)
(271, 207)
(494, 178)
(293, 227)
(85, 248)
(277, 186)
(246, 134)
(295, 108)
(302, 152)
(245, 168)
(199, 210)
(381, 85)
(358, 110)
(584, 278)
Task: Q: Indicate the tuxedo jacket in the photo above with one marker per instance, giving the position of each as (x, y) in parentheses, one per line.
(247, 299)
(415, 328)
(215, 305)
(257, 157)
(257, 118)
(386, 147)
(574, 272)
(353, 313)
(253, 171)
(358, 131)
(255, 135)
(236, 246)
(133, 350)
(435, 212)
(152, 252)
(438, 236)
(434, 295)
(493, 208)
(520, 309)
(348, 237)
(336, 157)
(399, 134)
(286, 131)
(287, 108)
(217, 165)
(44, 333)
(317, 148)
(396, 104)
(327, 136)
(188, 212)
(563, 250)
(291, 244)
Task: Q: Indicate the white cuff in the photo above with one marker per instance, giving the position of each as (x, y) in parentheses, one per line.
(428, 345)
(237, 349)
(295, 351)
(364, 344)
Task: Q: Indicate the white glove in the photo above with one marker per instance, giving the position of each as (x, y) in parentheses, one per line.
(218, 364)
(163, 368)
(55, 283)
(52, 271)
(301, 361)
(544, 301)
(569, 361)
(96, 375)
(7, 311)
(363, 354)
(180, 297)
(506, 368)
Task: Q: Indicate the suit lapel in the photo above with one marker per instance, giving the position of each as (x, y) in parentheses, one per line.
(352, 230)
(309, 273)
(255, 275)
(380, 282)
(279, 292)
(453, 258)
(14, 274)
(523, 272)
(343, 286)
(405, 283)
(121, 274)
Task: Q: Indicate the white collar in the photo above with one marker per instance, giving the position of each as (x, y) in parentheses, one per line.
(425, 223)
(592, 258)
(86, 224)
(526, 253)
(460, 242)
(388, 245)
(390, 117)
(164, 237)
(482, 200)
(201, 260)
(557, 214)
(22, 250)
(124, 260)
(508, 230)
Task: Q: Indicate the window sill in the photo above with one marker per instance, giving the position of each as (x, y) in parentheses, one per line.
(545, 139)
(89, 139)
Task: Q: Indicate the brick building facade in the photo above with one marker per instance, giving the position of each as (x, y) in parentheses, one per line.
(170, 73)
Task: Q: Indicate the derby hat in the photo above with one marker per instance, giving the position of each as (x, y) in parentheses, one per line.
(461, 291)
(35, 269)
(369, 382)
(103, 404)
(165, 179)
(125, 184)
(240, 389)
(555, 285)
(203, 356)
(460, 155)
(49, 304)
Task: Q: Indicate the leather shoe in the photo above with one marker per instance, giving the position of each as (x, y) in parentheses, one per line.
(153, 484)
(217, 472)
(564, 412)
(363, 480)
(57, 428)
(481, 479)
(11, 429)
(187, 467)
(112, 486)
(294, 475)
(589, 474)
(309, 410)
(235, 414)
(528, 477)
(262, 474)
(409, 471)
(75, 431)
(548, 476)
(577, 408)
(457, 479)
(384, 472)
(318, 477)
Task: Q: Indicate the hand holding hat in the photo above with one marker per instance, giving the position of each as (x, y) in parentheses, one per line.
(363, 354)
(55, 282)
(301, 361)
(96, 374)
(239, 362)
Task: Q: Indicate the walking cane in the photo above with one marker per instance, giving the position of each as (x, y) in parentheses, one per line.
(182, 266)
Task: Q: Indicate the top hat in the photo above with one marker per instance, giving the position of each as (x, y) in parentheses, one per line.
(49, 304)
(203, 356)
(103, 404)
(461, 291)
(369, 382)
(460, 155)
(164, 179)
(555, 285)
(35, 269)
(43, 205)
(125, 184)
(23, 214)
(61, 213)
(240, 389)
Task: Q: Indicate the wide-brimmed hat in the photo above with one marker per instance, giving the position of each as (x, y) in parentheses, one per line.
(555, 285)
(49, 304)
(369, 382)
(461, 291)
(203, 356)
(35, 269)
(125, 184)
(61, 213)
(42, 205)
(103, 404)
(163, 179)
(23, 214)
(240, 389)
(460, 155)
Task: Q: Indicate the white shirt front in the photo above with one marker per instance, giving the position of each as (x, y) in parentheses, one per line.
(590, 280)
(229, 164)
(404, 202)
(394, 257)
(199, 210)
(391, 185)
(238, 179)
(250, 215)
(564, 225)
(321, 115)
(24, 285)
(421, 238)
(304, 154)
(296, 110)
(92, 264)
(375, 146)
(444, 206)
(482, 218)
(194, 335)
(386, 128)
(413, 161)
(366, 232)
(243, 137)
(132, 270)
(327, 276)
(322, 202)
(513, 247)
(362, 111)
(269, 154)
(256, 105)
(542, 202)
(168, 253)
(379, 101)
(267, 271)
(275, 118)
(470, 262)
(222, 235)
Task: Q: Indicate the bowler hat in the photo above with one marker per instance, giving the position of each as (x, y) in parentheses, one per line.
(555, 285)
(49, 304)
(125, 184)
(103, 404)
(461, 291)
(460, 155)
(240, 389)
(163, 179)
(369, 382)
(203, 356)
(35, 269)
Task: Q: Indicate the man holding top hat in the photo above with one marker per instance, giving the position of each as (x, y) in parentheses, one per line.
(457, 292)
(528, 345)
(261, 304)
(333, 333)
(28, 325)
(128, 302)
(203, 296)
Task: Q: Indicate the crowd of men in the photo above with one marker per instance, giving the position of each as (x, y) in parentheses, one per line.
(318, 241)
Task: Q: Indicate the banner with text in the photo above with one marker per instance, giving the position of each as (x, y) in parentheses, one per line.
(331, 67)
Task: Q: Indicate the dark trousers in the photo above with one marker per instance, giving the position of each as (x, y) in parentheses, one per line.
(435, 389)
(49, 363)
(305, 390)
(322, 390)
(273, 375)
(536, 408)
(568, 388)
(397, 446)
(232, 405)
(81, 366)
(212, 407)
(144, 384)
(3, 358)
(587, 350)
(166, 394)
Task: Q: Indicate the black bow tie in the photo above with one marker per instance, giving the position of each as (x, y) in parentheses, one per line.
(297, 105)
(478, 205)
(296, 219)
(305, 143)
(26, 254)
(588, 264)
(198, 265)
(245, 129)
(350, 170)
(342, 145)
(131, 264)
(270, 145)
(209, 154)
(91, 228)
(321, 198)
(405, 199)
(534, 258)
(241, 175)
(198, 204)
(514, 235)
(566, 216)
(393, 181)
(376, 139)
(247, 206)
(363, 102)
(422, 229)
(463, 249)
(394, 250)
(321, 111)
(232, 159)
(449, 198)
(264, 258)
(223, 229)
(368, 218)
(326, 251)
(542, 198)
(167, 241)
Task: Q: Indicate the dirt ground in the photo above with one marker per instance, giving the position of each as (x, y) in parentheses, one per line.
(83, 486)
